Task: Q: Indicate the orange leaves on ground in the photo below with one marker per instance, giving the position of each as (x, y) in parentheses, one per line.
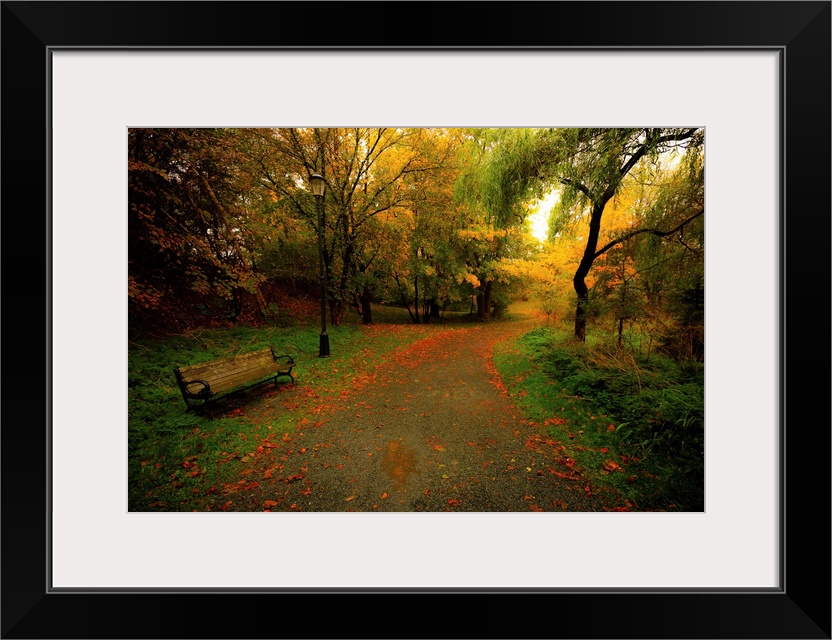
(384, 495)
(534, 507)
(225, 506)
(349, 498)
(268, 504)
(550, 421)
(453, 502)
(611, 428)
(610, 465)
(438, 447)
(565, 476)
(268, 474)
(236, 412)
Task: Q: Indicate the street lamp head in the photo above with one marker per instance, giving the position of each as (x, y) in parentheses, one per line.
(318, 184)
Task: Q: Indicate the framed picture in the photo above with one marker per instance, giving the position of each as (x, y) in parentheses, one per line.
(754, 75)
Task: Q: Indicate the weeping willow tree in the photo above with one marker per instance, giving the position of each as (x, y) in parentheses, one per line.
(586, 165)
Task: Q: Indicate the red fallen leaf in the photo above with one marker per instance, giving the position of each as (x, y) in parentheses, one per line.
(534, 507)
(610, 428)
(438, 447)
(307, 491)
(286, 437)
(571, 436)
(302, 450)
(603, 449)
(225, 506)
(471, 444)
(270, 503)
(384, 495)
(453, 502)
(187, 464)
(293, 478)
(631, 479)
(569, 462)
(565, 476)
(609, 465)
(427, 492)
(268, 474)
(194, 473)
(528, 497)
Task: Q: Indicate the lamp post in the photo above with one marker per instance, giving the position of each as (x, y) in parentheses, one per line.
(318, 189)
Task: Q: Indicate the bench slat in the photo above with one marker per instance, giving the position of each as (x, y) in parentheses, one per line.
(234, 363)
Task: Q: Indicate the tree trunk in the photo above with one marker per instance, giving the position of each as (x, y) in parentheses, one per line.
(366, 309)
(580, 311)
(416, 319)
(336, 312)
(434, 308)
(620, 332)
(484, 300)
(579, 281)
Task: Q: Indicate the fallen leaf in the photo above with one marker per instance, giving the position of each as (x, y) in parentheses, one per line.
(270, 503)
(609, 465)
(453, 502)
(350, 498)
(383, 495)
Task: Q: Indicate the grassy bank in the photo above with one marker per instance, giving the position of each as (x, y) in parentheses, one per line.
(633, 425)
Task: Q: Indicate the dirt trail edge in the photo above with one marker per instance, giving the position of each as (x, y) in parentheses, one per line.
(432, 430)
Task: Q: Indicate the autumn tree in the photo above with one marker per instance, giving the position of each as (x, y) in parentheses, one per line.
(588, 165)
(364, 171)
(185, 221)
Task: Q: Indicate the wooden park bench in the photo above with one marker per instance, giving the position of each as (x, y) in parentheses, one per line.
(203, 382)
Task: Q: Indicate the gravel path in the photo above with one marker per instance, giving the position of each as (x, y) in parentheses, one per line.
(432, 430)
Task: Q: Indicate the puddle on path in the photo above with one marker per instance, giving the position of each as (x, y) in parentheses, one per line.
(399, 461)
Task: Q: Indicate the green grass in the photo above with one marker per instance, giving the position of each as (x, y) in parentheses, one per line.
(645, 416)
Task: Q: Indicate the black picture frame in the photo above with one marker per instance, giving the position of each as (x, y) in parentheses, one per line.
(800, 31)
